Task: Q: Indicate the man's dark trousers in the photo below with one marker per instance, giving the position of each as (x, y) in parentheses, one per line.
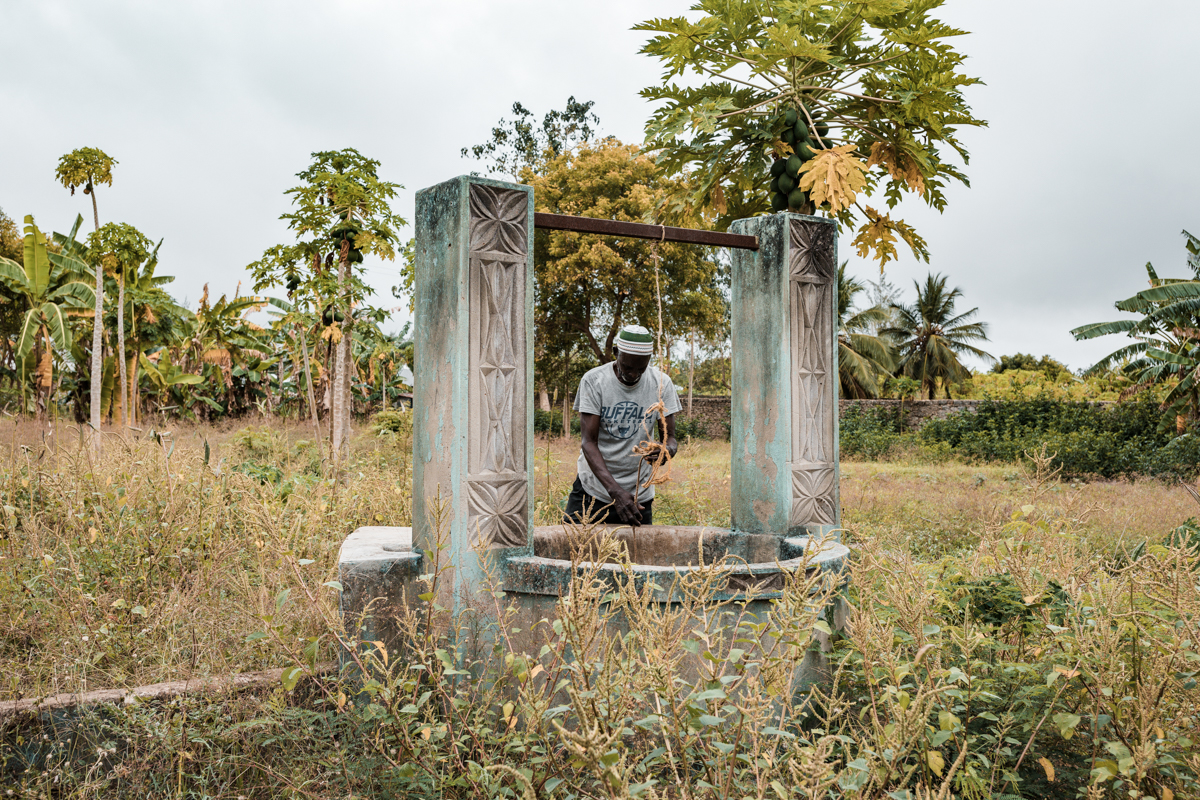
(597, 510)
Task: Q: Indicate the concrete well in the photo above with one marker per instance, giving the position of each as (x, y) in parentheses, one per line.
(473, 425)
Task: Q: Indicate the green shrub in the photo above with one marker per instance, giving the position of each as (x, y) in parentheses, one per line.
(394, 421)
(869, 434)
(550, 422)
(1107, 441)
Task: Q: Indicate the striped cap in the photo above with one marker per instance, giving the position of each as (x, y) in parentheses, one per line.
(635, 340)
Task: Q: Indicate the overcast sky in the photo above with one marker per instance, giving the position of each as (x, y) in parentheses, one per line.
(1087, 171)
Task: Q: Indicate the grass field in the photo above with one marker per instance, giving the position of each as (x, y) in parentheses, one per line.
(140, 567)
(207, 552)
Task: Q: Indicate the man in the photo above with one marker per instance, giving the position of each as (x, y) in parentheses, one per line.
(614, 402)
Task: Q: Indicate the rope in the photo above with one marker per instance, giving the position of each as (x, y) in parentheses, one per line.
(648, 450)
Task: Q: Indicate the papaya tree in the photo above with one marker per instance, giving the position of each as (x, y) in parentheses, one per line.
(342, 212)
(808, 106)
(50, 291)
(117, 248)
(87, 167)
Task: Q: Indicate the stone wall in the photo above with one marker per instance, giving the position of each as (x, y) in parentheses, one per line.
(712, 414)
(916, 412)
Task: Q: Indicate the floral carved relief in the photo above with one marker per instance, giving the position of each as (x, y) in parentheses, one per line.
(812, 282)
(497, 479)
(498, 221)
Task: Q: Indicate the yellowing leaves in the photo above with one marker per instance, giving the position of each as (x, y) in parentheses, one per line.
(900, 165)
(1048, 767)
(834, 177)
(878, 235)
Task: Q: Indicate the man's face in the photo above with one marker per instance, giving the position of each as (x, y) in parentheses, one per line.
(630, 368)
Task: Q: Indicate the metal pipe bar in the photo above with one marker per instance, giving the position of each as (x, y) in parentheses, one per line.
(638, 230)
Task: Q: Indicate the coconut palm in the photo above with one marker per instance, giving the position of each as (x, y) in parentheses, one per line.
(930, 337)
(51, 291)
(864, 359)
(1166, 344)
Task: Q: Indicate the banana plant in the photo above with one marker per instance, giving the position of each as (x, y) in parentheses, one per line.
(165, 376)
(52, 289)
(1166, 339)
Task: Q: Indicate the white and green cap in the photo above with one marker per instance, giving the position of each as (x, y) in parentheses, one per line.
(635, 340)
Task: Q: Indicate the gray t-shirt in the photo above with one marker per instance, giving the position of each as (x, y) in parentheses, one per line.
(623, 424)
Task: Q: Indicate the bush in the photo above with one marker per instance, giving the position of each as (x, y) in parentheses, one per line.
(393, 420)
(869, 434)
(1107, 441)
(550, 422)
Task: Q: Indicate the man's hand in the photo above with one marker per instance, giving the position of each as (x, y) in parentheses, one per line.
(628, 511)
(672, 446)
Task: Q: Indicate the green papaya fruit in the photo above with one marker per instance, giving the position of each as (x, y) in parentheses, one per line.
(800, 130)
(778, 201)
(794, 163)
(822, 130)
(355, 256)
(797, 199)
(774, 184)
(786, 183)
(789, 117)
(788, 136)
(338, 316)
(777, 167)
(803, 151)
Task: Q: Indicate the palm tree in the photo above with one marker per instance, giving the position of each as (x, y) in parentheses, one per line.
(1166, 344)
(864, 359)
(88, 167)
(51, 291)
(930, 337)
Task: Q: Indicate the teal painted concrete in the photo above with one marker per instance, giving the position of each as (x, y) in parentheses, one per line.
(761, 423)
(760, 490)
(440, 393)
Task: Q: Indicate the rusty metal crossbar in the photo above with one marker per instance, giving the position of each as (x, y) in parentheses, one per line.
(639, 230)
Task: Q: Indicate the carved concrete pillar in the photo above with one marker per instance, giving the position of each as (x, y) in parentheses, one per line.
(785, 377)
(473, 392)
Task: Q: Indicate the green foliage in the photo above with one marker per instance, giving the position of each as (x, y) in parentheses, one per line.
(118, 247)
(12, 246)
(868, 433)
(49, 288)
(263, 473)
(1166, 346)
(393, 421)
(86, 167)
(1048, 366)
(865, 360)
(1121, 439)
(880, 76)
(551, 422)
(518, 145)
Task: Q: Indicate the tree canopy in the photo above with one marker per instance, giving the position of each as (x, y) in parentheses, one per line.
(876, 83)
(588, 286)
